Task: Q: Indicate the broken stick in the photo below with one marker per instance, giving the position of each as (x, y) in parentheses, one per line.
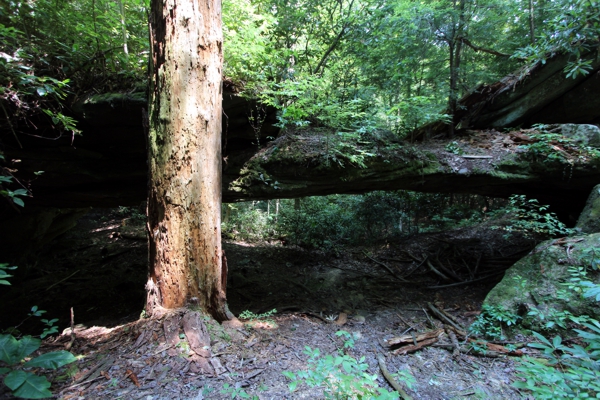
(391, 379)
(442, 317)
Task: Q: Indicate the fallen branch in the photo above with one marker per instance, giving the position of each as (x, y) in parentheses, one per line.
(467, 350)
(386, 267)
(466, 282)
(415, 257)
(452, 317)
(299, 285)
(442, 317)
(475, 156)
(391, 379)
(461, 333)
(431, 267)
(429, 319)
(420, 337)
(494, 348)
(479, 352)
(414, 269)
(413, 348)
(72, 341)
(314, 315)
(477, 265)
(448, 271)
(395, 259)
(352, 270)
(454, 340)
(62, 280)
(93, 374)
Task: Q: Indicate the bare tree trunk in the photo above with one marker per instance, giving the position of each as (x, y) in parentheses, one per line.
(455, 49)
(184, 146)
(531, 23)
(452, 96)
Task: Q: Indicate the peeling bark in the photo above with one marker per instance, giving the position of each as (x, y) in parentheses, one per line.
(184, 155)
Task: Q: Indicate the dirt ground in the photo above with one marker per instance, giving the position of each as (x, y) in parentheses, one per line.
(375, 293)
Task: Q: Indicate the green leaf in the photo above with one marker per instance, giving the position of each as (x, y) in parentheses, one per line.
(18, 201)
(347, 366)
(556, 341)
(20, 192)
(12, 350)
(27, 385)
(3, 282)
(541, 338)
(4, 370)
(53, 360)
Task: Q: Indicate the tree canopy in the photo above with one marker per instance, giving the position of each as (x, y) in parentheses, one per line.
(355, 67)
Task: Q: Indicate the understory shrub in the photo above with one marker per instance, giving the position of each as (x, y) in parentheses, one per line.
(328, 222)
(569, 368)
(341, 376)
(531, 219)
(15, 361)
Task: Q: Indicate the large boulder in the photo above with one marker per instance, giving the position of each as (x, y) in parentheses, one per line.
(582, 134)
(589, 220)
(540, 280)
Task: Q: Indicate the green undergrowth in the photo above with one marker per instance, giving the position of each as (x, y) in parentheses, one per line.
(331, 222)
(342, 376)
(568, 366)
(20, 369)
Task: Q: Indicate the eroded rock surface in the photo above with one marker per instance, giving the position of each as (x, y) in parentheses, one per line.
(538, 280)
(589, 220)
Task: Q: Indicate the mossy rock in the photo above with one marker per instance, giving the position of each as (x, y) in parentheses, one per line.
(583, 134)
(589, 220)
(538, 280)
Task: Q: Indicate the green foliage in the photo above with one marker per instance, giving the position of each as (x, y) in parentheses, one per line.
(454, 148)
(565, 372)
(250, 316)
(246, 55)
(340, 375)
(571, 27)
(532, 219)
(21, 382)
(248, 221)
(263, 320)
(14, 354)
(492, 322)
(132, 212)
(549, 147)
(7, 180)
(52, 52)
(235, 392)
(338, 220)
(551, 319)
(4, 275)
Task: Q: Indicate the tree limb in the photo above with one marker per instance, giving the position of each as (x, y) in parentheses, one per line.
(391, 379)
(331, 48)
(477, 48)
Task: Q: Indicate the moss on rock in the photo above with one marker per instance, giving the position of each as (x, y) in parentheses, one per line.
(540, 279)
(589, 220)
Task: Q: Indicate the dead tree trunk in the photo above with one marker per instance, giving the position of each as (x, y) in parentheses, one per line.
(184, 155)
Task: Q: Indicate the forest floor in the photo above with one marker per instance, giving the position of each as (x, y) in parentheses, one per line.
(375, 293)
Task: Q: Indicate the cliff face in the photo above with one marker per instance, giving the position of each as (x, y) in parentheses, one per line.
(106, 165)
